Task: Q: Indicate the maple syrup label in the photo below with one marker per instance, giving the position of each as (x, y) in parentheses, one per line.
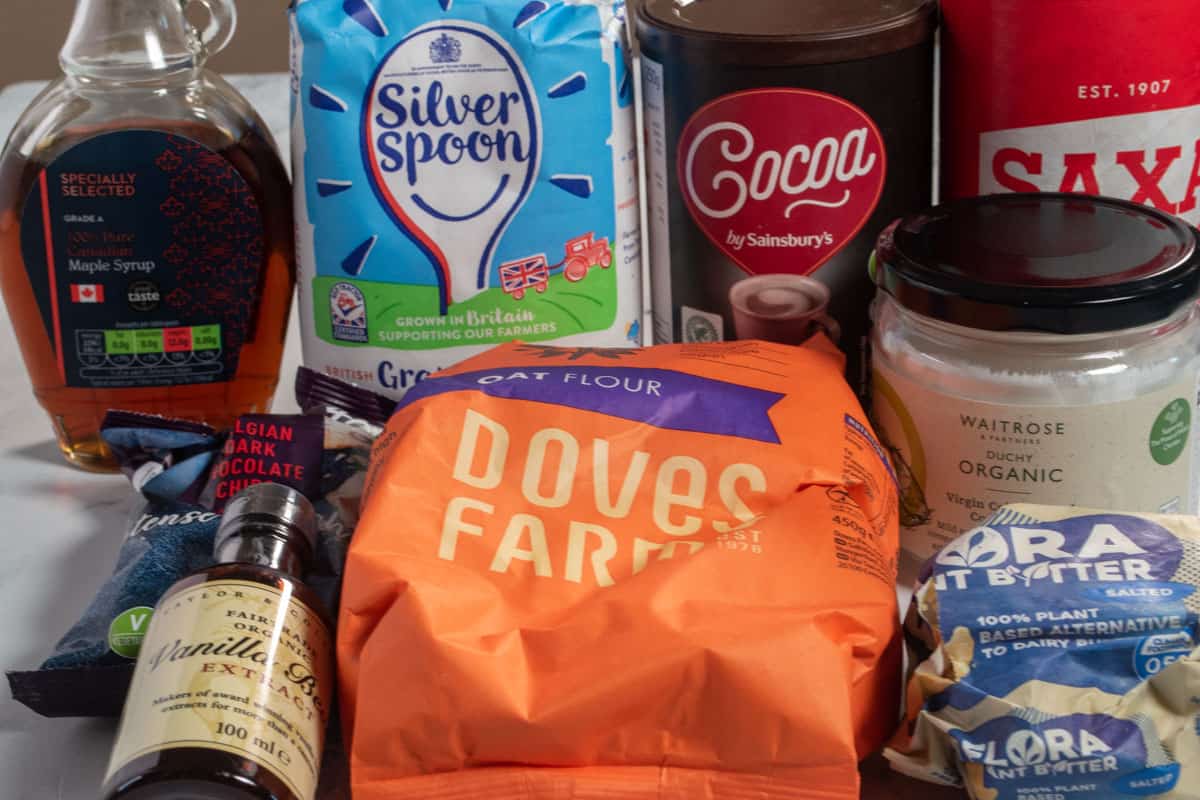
(233, 666)
(144, 251)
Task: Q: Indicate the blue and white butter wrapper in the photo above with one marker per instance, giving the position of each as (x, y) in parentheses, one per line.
(1056, 656)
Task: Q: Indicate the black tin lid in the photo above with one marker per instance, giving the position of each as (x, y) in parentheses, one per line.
(1056, 263)
(786, 32)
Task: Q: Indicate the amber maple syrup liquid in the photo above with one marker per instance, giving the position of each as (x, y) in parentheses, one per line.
(76, 413)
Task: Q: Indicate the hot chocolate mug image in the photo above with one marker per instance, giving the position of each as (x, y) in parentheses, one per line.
(782, 308)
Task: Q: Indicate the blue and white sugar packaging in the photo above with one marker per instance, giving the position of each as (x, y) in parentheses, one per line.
(466, 175)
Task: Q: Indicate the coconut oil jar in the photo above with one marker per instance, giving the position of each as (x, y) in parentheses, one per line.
(1036, 348)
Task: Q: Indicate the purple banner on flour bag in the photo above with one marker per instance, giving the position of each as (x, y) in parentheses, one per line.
(662, 398)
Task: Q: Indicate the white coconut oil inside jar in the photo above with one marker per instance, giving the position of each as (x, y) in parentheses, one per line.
(980, 411)
(1031, 368)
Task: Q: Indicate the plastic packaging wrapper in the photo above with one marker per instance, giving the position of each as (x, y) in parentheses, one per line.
(184, 473)
(466, 175)
(1056, 658)
(663, 573)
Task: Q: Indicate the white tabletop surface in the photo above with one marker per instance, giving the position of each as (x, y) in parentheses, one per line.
(63, 529)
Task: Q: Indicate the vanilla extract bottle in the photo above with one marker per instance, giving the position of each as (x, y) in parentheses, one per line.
(232, 690)
(146, 245)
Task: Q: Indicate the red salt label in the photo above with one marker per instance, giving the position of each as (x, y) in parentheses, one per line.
(1074, 96)
(1151, 158)
(781, 179)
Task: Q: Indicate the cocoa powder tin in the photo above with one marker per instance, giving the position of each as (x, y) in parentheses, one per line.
(1097, 97)
(781, 137)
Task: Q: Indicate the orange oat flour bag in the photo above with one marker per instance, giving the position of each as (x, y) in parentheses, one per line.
(663, 573)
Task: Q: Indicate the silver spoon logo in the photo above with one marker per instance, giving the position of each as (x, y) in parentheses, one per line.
(452, 144)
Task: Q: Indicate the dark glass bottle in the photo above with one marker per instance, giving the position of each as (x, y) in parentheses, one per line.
(233, 686)
(146, 244)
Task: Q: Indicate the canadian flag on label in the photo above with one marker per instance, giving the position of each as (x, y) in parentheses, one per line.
(87, 293)
(1095, 157)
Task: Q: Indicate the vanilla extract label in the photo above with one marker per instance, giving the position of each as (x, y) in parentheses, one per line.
(961, 460)
(238, 667)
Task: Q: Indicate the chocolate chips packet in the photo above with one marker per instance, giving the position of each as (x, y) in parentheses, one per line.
(185, 473)
(167, 462)
(275, 448)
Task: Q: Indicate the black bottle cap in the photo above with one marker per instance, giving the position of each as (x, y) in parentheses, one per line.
(1056, 263)
(273, 508)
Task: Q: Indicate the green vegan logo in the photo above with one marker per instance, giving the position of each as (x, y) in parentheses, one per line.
(128, 629)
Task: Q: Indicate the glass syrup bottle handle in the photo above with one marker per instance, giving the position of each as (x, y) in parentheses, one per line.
(222, 23)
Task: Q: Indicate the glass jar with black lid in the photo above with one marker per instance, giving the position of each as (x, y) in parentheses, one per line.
(1036, 348)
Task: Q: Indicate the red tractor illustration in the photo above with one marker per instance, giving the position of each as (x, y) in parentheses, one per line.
(583, 253)
(530, 272)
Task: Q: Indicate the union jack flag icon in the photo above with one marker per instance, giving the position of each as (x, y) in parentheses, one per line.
(527, 273)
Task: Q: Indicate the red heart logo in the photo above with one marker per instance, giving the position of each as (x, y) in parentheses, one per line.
(781, 179)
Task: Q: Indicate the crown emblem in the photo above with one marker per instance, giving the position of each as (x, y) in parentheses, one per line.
(445, 50)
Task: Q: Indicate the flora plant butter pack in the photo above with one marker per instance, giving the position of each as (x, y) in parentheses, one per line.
(466, 175)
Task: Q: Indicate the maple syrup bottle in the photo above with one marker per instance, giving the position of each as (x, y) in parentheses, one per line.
(146, 254)
(232, 689)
